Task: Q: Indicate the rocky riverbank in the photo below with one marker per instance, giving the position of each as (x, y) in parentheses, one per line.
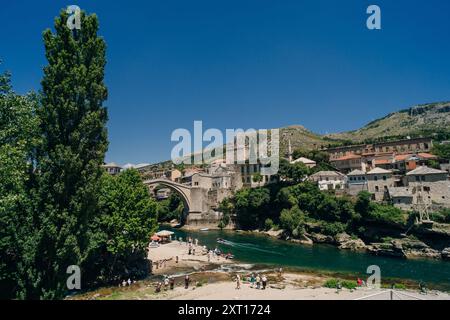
(406, 247)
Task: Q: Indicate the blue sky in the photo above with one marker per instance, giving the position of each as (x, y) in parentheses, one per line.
(244, 64)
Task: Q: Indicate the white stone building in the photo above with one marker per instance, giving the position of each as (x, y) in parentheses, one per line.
(378, 182)
(307, 162)
(112, 168)
(356, 182)
(329, 180)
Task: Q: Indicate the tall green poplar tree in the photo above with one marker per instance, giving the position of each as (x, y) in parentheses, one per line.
(73, 123)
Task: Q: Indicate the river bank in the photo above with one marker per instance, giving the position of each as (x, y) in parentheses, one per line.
(306, 270)
(389, 244)
(174, 258)
(220, 286)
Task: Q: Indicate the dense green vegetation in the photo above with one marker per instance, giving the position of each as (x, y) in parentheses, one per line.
(18, 138)
(119, 233)
(442, 216)
(170, 209)
(442, 151)
(57, 207)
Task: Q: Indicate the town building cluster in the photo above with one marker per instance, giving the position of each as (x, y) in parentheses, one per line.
(402, 172)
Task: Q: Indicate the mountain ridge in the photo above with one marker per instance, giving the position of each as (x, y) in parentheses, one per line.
(430, 119)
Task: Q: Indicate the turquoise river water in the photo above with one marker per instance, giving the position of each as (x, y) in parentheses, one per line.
(262, 250)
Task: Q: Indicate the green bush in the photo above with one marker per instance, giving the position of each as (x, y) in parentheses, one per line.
(442, 216)
(268, 224)
(293, 221)
(333, 284)
(399, 286)
(333, 228)
(386, 214)
(351, 285)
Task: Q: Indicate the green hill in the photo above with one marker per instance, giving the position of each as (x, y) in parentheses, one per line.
(423, 120)
(431, 120)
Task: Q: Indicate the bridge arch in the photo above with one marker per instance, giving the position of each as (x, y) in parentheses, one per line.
(183, 190)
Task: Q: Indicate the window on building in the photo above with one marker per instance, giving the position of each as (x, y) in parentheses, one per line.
(384, 178)
(377, 189)
(375, 178)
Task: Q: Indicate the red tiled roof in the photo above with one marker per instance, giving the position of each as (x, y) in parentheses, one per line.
(427, 156)
(402, 157)
(348, 157)
(382, 161)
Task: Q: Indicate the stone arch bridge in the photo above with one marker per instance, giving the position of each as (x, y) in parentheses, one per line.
(198, 204)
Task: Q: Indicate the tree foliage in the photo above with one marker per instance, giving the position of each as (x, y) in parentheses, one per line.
(293, 220)
(57, 208)
(120, 234)
(442, 151)
(171, 208)
(296, 172)
(18, 139)
(73, 126)
(248, 204)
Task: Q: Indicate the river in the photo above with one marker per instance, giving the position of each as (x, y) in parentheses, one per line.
(262, 250)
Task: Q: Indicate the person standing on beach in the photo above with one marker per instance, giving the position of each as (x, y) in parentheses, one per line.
(238, 282)
(166, 283)
(186, 282)
(258, 282)
(264, 282)
(252, 280)
(172, 283)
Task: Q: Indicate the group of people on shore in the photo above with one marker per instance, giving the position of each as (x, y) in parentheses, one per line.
(127, 283)
(193, 249)
(169, 283)
(161, 264)
(192, 245)
(257, 281)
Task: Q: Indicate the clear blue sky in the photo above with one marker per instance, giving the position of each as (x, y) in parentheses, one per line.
(244, 64)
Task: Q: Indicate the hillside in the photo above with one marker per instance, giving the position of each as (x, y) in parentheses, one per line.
(423, 120)
(428, 119)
